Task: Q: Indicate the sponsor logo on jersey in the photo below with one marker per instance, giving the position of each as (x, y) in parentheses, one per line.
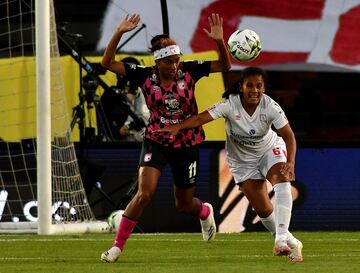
(171, 104)
(153, 77)
(192, 180)
(169, 121)
(181, 84)
(262, 117)
(156, 88)
(252, 132)
(147, 157)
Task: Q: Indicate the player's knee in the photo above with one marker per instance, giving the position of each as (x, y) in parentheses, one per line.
(278, 178)
(264, 212)
(143, 198)
(283, 178)
(275, 175)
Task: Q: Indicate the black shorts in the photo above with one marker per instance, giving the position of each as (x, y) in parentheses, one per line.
(184, 162)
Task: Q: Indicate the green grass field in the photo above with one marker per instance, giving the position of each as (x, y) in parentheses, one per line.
(186, 252)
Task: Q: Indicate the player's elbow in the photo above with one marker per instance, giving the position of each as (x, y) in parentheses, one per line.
(226, 63)
(105, 63)
(227, 66)
(220, 66)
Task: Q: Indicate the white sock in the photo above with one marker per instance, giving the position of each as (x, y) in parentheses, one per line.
(269, 223)
(283, 206)
(291, 241)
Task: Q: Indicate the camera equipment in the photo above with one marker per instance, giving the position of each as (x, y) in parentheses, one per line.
(90, 83)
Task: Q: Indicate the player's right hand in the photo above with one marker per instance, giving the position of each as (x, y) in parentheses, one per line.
(173, 130)
(129, 23)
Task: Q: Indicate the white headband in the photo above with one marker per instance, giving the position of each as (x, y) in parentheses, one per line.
(166, 52)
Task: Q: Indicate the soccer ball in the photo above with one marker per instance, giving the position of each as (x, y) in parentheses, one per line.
(244, 45)
(114, 219)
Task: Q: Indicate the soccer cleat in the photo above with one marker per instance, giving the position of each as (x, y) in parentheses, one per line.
(281, 248)
(296, 255)
(111, 255)
(208, 225)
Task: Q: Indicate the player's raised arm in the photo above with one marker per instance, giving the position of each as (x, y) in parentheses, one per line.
(216, 33)
(108, 60)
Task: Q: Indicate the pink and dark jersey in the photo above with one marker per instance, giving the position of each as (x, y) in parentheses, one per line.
(172, 104)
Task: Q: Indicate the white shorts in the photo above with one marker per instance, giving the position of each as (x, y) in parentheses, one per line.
(258, 168)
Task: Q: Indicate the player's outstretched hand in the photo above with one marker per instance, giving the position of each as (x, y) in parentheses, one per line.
(128, 23)
(216, 27)
(173, 130)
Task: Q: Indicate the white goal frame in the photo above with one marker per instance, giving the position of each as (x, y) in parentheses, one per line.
(43, 116)
(49, 221)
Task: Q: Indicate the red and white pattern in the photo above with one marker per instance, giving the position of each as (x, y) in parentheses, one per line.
(291, 31)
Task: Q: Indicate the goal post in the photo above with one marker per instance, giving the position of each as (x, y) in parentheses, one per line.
(43, 115)
(41, 189)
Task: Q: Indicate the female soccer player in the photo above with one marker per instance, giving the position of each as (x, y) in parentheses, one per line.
(255, 153)
(168, 88)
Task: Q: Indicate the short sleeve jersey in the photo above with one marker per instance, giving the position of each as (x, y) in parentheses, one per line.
(170, 104)
(248, 137)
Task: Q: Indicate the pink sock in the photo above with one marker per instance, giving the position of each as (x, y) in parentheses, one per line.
(124, 231)
(204, 211)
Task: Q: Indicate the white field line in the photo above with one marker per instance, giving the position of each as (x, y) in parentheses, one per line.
(178, 257)
(157, 237)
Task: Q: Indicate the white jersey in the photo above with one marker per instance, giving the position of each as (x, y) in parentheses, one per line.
(249, 137)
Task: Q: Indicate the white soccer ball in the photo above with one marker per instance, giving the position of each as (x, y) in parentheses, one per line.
(114, 219)
(244, 45)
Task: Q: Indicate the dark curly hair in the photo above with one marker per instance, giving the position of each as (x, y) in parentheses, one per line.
(247, 72)
(161, 41)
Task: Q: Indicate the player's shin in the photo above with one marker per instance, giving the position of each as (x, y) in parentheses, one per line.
(283, 207)
(124, 231)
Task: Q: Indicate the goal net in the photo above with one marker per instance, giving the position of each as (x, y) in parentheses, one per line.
(18, 134)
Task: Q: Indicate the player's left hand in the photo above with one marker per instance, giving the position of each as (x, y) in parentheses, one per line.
(216, 27)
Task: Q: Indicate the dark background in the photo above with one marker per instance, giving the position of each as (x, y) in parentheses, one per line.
(83, 17)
